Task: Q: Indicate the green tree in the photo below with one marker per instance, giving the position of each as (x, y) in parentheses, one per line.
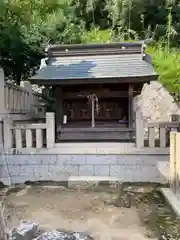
(26, 25)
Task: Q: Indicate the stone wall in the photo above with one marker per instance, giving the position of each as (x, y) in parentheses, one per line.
(57, 167)
(156, 103)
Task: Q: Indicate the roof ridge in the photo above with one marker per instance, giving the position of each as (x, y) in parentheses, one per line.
(95, 49)
(95, 45)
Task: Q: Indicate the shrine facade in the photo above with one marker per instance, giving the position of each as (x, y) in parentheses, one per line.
(94, 86)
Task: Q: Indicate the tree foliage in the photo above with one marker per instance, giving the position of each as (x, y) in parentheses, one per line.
(167, 64)
(26, 25)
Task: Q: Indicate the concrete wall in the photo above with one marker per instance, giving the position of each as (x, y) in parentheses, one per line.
(59, 167)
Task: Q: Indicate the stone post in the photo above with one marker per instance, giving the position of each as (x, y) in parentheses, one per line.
(139, 124)
(172, 170)
(7, 132)
(3, 232)
(29, 101)
(50, 134)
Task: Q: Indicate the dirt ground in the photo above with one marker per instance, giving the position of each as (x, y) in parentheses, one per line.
(87, 211)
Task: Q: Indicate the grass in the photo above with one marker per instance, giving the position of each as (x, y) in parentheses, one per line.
(162, 219)
(97, 36)
(167, 65)
(154, 211)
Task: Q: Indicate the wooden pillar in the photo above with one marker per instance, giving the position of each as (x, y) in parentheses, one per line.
(2, 105)
(59, 106)
(130, 105)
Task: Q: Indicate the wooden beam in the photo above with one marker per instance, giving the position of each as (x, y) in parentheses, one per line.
(100, 94)
(130, 105)
(133, 79)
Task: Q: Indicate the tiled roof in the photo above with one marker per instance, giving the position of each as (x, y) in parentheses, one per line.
(96, 66)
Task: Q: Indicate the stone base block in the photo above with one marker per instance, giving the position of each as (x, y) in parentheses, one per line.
(172, 200)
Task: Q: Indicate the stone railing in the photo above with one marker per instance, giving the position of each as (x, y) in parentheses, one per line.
(153, 134)
(159, 133)
(21, 99)
(29, 135)
(16, 98)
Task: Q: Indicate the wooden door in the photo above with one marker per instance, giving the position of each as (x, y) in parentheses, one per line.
(78, 110)
(109, 110)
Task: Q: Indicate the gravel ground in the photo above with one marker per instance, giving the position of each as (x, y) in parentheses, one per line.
(135, 213)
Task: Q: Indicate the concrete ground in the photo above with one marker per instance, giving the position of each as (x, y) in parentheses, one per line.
(75, 210)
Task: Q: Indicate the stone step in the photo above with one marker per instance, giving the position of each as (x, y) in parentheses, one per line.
(95, 135)
(93, 147)
(87, 139)
(97, 129)
(98, 145)
(78, 137)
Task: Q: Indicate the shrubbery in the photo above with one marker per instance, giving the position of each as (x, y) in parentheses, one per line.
(167, 64)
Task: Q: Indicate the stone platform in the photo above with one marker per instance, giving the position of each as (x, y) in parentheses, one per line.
(62, 166)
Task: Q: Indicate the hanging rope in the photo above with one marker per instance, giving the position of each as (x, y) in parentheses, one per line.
(94, 98)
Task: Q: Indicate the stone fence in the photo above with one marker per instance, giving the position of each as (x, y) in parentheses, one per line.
(19, 100)
(20, 135)
(153, 134)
